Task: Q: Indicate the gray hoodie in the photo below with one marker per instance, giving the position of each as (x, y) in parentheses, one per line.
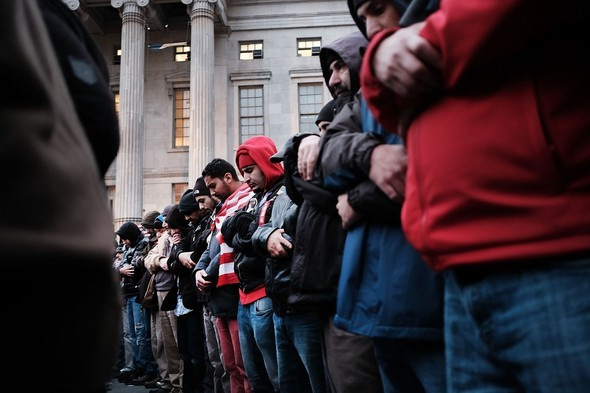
(349, 48)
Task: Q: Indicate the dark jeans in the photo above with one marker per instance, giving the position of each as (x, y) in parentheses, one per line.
(299, 353)
(257, 342)
(193, 351)
(519, 328)
(411, 366)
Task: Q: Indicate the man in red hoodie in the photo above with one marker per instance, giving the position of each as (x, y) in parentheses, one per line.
(493, 100)
(255, 314)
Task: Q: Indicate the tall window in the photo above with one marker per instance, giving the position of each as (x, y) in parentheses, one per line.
(182, 53)
(250, 50)
(181, 117)
(117, 103)
(310, 104)
(251, 112)
(308, 47)
(178, 189)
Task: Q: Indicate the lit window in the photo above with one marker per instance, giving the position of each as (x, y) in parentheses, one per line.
(117, 103)
(182, 53)
(178, 190)
(251, 50)
(251, 112)
(310, 104)
(117, 55)
(308, 47)
(181, 117)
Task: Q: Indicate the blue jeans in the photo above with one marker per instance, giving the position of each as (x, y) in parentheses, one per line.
(411, 366)
(257, 342)
(299, 351)
(139, 331)
(519, 328)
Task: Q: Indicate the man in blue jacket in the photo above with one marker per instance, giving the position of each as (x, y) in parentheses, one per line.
(386, 292)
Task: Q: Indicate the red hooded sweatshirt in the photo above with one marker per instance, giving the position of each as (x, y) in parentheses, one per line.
(499, 166)
(258, 150)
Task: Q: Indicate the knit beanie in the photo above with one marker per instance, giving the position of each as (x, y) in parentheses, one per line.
(166, 210)
(326, 113)
(188, 203)
(201, 188)
(129, 231)
(353, 6)
(176, 220)
(149, 218)
(331, 56)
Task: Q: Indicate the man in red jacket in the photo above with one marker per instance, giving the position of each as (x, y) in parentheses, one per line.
(492, 98)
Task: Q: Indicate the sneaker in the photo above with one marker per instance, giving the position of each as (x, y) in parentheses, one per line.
(125, 374)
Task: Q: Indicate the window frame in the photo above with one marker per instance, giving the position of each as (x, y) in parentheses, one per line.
(258, 88)
(182, 50)
(185, 137)
(318, 94)
(313, 49)
(117, 52)
(178, 189)
(254, 47)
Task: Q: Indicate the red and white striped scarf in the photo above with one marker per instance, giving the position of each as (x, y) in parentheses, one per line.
(233, 203)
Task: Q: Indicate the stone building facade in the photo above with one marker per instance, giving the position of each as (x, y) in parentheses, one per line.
(194, 78)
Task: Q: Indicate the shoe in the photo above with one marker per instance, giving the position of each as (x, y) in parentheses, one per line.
(140, 380)
(126, 374)
(163, 384)
(152, 383)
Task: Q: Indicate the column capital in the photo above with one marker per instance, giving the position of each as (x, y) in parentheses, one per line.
(188, 2)
(72, 4)
(119, 3)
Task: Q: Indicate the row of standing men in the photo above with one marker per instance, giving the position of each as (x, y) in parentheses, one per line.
(267, 258)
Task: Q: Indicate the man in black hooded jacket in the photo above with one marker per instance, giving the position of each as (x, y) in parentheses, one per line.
(131, 269)
(317, 255)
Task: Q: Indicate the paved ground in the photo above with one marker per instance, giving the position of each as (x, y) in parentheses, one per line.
(118, 387)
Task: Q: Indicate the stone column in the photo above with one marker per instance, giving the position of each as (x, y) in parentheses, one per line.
(202, 101)
(128, 201)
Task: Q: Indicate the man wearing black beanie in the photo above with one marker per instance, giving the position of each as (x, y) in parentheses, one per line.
(326, 115)
(189, 206)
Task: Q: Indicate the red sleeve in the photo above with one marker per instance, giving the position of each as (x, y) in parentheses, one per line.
(472, 34)
(381, 100)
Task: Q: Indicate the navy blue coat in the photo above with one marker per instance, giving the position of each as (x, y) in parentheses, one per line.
(385, 289)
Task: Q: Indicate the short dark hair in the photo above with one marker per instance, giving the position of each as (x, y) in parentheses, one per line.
(218, 168)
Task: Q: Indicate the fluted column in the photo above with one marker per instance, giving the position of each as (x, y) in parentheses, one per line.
(202, 129)
(128, 201)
